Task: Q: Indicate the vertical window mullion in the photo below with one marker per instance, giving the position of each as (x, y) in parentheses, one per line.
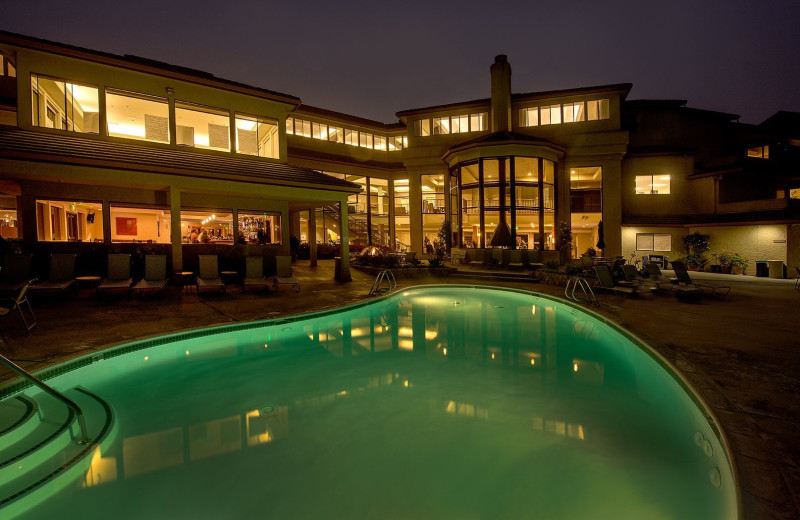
(541, 203)
(481, 220)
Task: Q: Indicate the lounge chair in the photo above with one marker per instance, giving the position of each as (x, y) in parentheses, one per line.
(458, 256)
(656, 276)
(515, 259)
(8, 305)
(61, 276)
(657, 281)
(476, 257)
(631, 275)
(682, 277)
(254, 273)
(534, 259)
(606, 282)
(155, 274)
(208, 273)
(118, 275)
(283, 269)
(497, 257)
(16, 273)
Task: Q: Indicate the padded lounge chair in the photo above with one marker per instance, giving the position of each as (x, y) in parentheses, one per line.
(254, 273)
(534, 259)
(61, 276)
(8, 305)
(16, 273)
(656, 276)
(118, 275)
(515, 259)
(208, 273)
(155, 274)
(606, 282)
(682, 277)
(476, 257)
(283, 268)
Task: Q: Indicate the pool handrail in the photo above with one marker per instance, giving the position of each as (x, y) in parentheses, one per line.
(52, 392)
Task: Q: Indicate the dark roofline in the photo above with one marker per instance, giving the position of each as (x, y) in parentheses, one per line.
(347, 118)
(521, 97)
(676, 103)
(146, 65)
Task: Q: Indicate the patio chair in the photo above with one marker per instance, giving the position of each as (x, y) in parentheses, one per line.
(155, 274)
(497, 257)
(283, 268)
(61, 276)
(118, 275)
(656, 276)
(16, 273)
(682, 277)
(534, 259)
(476, 257)
(254, 273)
(606, 282)
(9, 305)
(657, 281)
(208, 273)
(515, 259)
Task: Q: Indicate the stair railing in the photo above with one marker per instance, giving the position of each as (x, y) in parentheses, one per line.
(386, 275)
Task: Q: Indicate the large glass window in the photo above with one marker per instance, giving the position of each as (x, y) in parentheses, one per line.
(206, 226)
(433, 192)
(59, 104)
(319, 131)
(260, 227)
(335, 134)
(137, 116)
(140, 224)
(759, 152)
(652, 184)
(470, 205)
(478, 122)
(573, 112)
(202, 127)
(395, 143)
(597, 109)
(441, 125)
(529, 116)
(350, 137)
(422, 127)
(73, 221)
(586, 209)
(257, 136)
(402, 223)
(379, 211)
(459, 124)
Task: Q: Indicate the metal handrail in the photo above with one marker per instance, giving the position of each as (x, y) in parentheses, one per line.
(575, 282)
(51, 391)
(383, 275)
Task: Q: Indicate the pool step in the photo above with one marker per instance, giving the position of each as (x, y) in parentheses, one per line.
(49, 457)
(18, 418)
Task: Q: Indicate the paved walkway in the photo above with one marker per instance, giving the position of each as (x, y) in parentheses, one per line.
(741, 352)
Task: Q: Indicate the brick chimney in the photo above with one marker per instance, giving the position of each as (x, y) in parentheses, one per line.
(501, 94)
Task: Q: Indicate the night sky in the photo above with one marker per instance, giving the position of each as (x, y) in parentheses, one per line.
(372, 59)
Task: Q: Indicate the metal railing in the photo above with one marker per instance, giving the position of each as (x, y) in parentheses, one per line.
(84, 439)
(386, 275)
(579, 282)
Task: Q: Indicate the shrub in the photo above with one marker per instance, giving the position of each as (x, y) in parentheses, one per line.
(552, 265)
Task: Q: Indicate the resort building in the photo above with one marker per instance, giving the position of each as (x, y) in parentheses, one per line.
(101, 148)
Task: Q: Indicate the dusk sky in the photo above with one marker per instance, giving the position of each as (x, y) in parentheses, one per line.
(373, 59)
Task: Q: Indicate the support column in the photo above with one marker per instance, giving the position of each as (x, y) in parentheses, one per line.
(175, 229)
(344, 270)
(312, 237)
(107, 222)
(392, 223)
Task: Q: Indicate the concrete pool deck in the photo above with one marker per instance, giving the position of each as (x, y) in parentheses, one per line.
(741, 352)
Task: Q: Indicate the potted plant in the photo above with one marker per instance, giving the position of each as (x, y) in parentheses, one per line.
(693, 261)
(738, 263)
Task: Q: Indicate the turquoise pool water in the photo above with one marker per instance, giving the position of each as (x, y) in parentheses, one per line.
(439, 402)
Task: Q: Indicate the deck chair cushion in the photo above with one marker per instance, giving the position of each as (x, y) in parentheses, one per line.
(119, 267)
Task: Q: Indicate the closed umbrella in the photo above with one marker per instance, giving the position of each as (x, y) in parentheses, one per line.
(601, 243)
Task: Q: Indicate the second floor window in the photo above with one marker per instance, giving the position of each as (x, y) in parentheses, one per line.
(652, 184)
(62, 105)
(202, 127)
(137, 116)
(759, 152)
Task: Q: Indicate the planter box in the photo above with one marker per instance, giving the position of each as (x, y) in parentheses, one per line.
(407, 272)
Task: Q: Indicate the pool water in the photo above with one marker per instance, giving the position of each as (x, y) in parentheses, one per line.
(439, 402)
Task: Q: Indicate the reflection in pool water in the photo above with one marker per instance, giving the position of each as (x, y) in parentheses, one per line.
(436, 403)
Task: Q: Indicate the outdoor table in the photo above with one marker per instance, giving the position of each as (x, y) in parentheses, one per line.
(186, 280)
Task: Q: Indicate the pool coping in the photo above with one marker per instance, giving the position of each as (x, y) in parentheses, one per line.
(111, 351)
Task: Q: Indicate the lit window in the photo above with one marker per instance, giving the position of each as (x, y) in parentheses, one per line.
(59, 104)
(207, 226)
(653, 242)
(597, 109)
(365, 140)
(335, 134)
(302, 127)
(550, 115)
(257, 136)
(441, 125)
(351, 137)
(140, 224)
(319, 131)
(759, 152)
(422, 127)
(73, 221)
(259, 227)
(137, 116)
(529, 117)
(460, 124)
(794, 193)
(290, 125)
(573, 112)
(395, 143)
(477, 122)
(380, 143)
(652, 184)
(202, 127)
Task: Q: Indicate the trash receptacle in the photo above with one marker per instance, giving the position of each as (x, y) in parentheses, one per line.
(762, 269)
(337, 268)
(776, 268)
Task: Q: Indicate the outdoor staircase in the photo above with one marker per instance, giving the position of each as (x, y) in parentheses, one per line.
(41, 448)
(357, 228)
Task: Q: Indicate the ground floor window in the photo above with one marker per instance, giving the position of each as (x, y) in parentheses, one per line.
(260, 227)
(653, 242)
(140, 224)
(69, 221)
(586, 208)
(204, 226)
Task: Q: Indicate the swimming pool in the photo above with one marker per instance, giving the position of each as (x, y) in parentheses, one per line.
(438, 402)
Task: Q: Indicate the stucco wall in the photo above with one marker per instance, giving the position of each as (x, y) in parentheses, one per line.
(754, 242)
